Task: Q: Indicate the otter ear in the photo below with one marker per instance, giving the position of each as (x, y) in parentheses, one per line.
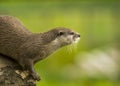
(60, 33)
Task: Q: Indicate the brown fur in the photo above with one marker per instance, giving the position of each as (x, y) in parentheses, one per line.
(25, 47)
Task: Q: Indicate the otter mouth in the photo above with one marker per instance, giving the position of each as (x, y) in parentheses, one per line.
(75, 40)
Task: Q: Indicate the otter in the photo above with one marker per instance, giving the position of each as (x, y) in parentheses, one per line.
(27, 48)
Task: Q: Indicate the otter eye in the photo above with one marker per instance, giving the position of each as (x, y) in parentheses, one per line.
(60, 33)
(71, 33)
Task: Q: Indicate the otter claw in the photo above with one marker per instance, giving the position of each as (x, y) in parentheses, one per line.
(36, 76)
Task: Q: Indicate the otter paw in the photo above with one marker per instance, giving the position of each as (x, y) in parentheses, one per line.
(36, 76)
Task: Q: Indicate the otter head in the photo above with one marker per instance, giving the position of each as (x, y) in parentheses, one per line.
(66, 36)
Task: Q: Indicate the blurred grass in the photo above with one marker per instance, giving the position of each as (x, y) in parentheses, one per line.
(98, 24)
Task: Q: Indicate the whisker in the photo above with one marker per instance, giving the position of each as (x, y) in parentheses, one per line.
(71, 48)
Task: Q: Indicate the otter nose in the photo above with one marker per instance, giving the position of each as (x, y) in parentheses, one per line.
(78, 35)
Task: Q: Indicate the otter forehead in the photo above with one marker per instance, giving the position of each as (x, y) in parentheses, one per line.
(63, 29)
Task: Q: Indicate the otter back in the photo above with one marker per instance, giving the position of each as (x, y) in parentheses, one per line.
(12, 35)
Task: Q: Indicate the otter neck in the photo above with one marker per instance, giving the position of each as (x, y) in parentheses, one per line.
(53, 46)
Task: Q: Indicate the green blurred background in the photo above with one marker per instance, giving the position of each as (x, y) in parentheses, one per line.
(95, 60)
